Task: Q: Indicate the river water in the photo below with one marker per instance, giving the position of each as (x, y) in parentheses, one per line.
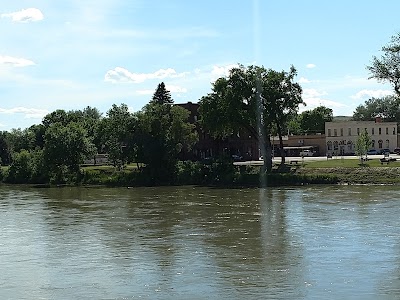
(314, 242)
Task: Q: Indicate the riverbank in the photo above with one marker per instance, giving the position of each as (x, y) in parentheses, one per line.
(224, 174)
(360, 175)
(251, 177)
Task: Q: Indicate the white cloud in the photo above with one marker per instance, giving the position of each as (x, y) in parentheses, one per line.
(219, 71)
(25, 15)
(310, 66)
(304, 80)
(313, 98)
(371, 94)
(15, 61)
(119, 74)
(313, 93)
(175, 89)
(314, 102)
(30, 113)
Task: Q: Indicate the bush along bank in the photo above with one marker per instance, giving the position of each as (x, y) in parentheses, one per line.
(218, 173)
(189, 173)
(194, 173)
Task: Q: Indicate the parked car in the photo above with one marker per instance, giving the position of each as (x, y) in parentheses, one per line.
(383, 151)
(372, 152)
(307, 153)
(208, 160)
(396, 150)
(237, 157)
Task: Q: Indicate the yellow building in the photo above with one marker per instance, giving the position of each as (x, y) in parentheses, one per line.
(341, 137)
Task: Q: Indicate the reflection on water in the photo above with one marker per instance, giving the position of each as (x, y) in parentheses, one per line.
(199, 243)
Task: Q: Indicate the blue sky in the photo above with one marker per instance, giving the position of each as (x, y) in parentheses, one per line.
(72, 54)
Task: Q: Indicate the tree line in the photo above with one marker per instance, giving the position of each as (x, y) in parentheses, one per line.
(55, 149)
(263, 102)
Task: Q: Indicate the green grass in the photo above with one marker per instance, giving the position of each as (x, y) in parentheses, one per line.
(348, 163)
(110, 167)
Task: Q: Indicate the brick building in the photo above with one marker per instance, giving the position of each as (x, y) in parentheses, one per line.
(241, 143)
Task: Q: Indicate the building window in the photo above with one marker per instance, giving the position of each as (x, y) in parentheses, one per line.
(365, 130)
(373, 131)
(380, 144)
(387, 143)
(350, 146)
(329, 132)
(394, 130)
(387, 130)
(380, 130)
(334, 132)
(341, 131)
(329, 144)
(373, 143)
(335, 145)
(349, 131)
(358, 131)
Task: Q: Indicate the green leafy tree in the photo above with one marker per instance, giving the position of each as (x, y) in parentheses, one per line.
(40, 171)
(282, 99)
(38, 131)
(235, 104)
(28, 167)
(313, 121)
(59, 116)
(21, 139)
(363, 143)
(5, 148)
(293, 124)
(91, 113)
(162, 95)
(387, 67)
(163, 132)
(20, 170)
(254, 99)
(386, 107)
(117, 131)
(91, 119)
(66, 146)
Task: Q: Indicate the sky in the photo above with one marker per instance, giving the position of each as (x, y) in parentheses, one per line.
(70, 54)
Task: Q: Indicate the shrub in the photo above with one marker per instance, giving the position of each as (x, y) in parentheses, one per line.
(188, 172)
(20, 170)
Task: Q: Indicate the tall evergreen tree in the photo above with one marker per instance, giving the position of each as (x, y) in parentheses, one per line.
(162, 95)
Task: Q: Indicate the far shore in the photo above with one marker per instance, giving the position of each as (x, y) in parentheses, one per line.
(296, 171)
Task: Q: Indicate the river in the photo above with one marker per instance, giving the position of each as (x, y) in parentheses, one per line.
(312, 242)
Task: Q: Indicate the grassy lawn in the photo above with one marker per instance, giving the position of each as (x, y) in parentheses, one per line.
(349, 163)
(110, 167)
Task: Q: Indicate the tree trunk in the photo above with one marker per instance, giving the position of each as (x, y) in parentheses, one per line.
(280, 143)
(268, 161)
(263, 134)
(263, 148)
